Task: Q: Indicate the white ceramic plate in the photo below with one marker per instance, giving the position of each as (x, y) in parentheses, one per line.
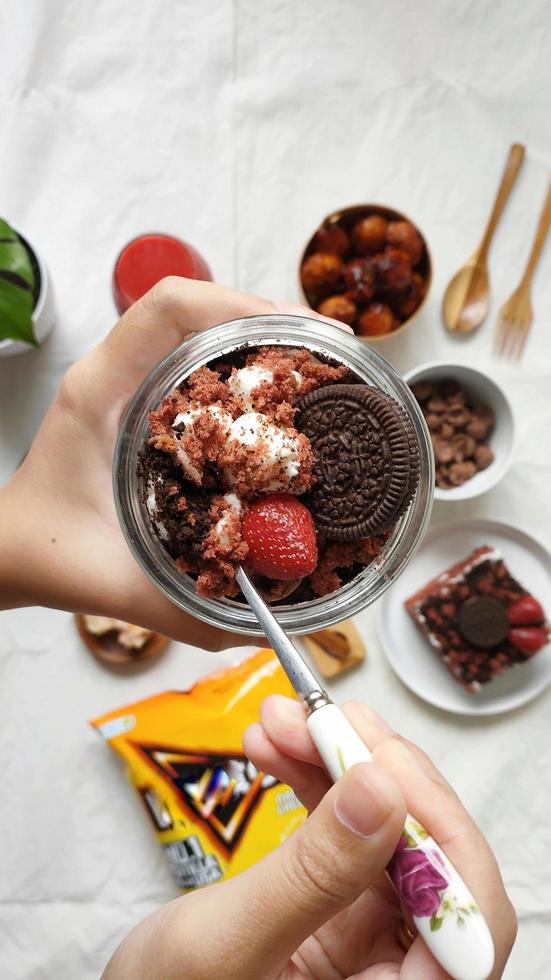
(409, 653)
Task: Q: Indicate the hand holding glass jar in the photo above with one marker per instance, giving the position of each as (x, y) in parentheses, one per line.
(60, 540)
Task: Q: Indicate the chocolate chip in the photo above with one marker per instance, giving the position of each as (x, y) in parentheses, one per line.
(458, 432)
(434, 421)
(443, 452)
(483, 456)
(423, 390)
(460, 472)
(436, 404)
(463, 447)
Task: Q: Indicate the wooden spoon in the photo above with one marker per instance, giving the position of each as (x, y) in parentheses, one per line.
(467, 298)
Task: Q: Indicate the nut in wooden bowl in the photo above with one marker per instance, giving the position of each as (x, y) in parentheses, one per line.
(368, 266)
(120, 646)
(336, 649)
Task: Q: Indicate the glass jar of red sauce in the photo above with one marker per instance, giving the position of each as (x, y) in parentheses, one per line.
(149, 258)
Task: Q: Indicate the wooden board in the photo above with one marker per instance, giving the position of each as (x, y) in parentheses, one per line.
(329, 665)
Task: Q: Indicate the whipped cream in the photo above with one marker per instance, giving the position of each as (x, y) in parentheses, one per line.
(220, 530)
(244, 381)
(185, 421)
(272, 446)
(184, 424)
(151, 504)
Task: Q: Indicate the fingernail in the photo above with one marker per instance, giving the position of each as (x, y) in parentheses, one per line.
(259, 730)
(364, 801)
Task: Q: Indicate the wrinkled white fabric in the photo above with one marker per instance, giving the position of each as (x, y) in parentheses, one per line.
(238, 126)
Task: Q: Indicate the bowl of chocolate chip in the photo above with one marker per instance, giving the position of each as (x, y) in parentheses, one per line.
(282, 444)
(471, 426)
(368, 266)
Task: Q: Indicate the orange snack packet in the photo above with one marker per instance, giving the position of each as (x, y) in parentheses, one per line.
(214, 814)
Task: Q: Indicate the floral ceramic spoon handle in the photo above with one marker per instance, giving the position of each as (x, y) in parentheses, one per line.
(444, 911)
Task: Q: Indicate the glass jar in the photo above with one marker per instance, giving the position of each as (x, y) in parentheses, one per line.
(222, 340)
(147, 259)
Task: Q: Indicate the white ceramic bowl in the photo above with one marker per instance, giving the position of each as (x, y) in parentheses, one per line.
(480, 390)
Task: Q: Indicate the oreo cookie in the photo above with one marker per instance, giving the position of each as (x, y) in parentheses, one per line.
(483, 622)
(367, 459)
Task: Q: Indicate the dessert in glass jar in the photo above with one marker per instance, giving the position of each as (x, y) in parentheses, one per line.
(283, 444)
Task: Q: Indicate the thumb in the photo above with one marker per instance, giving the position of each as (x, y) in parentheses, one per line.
(257, 920)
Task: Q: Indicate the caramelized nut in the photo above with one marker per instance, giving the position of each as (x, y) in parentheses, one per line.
(405, 301)
(369, 234)
(404, 236)
(331, 238)
(377, 319)
(393, 269)
(338, 308)
(359, 280)
(322, 269)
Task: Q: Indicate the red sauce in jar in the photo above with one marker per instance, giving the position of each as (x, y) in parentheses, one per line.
(149, 258)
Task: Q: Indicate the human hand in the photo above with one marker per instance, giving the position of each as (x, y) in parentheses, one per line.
(321, 906)
(60, 541)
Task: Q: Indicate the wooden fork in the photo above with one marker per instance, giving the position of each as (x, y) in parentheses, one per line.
(516, 315)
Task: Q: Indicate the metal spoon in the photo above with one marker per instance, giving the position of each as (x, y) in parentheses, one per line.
(467, 298)
(466, 953)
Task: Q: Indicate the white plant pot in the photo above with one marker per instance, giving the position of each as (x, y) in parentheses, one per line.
(43, 313)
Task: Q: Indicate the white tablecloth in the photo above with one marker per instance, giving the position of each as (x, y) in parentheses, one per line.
(238, 126)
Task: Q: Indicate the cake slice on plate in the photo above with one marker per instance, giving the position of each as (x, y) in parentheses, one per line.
(479, 619)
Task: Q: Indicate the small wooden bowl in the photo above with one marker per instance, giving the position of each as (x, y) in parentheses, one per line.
(107, 649)
(347, 218)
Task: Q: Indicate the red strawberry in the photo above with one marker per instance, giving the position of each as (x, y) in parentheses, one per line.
(525, 611)
(281, 536)
(528, 639)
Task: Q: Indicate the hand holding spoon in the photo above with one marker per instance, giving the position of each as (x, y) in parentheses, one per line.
(467, 298)
(467, 953)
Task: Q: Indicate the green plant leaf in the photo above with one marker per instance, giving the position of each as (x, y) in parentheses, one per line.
(14, 258)
(6, 231)
(435, 923)
(16, 313)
